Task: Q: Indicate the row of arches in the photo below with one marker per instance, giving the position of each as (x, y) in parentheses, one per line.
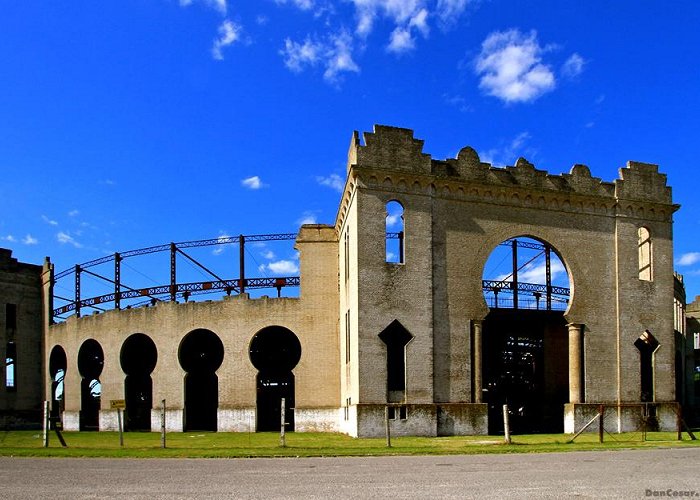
(274, 351)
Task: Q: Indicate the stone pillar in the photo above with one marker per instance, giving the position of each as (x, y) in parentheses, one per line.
(476, 366)
(575, 382)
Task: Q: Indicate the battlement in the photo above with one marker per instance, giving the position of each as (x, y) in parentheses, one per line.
(395, 149)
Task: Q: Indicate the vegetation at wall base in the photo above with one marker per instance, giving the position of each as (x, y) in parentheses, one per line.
(237, 445)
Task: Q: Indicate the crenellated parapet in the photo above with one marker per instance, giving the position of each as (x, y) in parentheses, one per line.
(392, 158)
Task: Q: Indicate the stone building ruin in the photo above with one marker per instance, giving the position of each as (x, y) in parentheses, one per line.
(400, 319)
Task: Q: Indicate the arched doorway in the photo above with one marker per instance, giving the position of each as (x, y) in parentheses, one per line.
(58, 363)
(525, 336)
(90, 363)
(138, 358)
(201, 353)
(274, 351)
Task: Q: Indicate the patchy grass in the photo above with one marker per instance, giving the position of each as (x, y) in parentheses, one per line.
(230, 445)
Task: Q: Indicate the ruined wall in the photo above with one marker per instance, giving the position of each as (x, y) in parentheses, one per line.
(21, 320)
(456, 212)
(235, 320)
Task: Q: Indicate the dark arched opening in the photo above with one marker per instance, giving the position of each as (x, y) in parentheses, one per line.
(525, 339)
(58, 363)
(90, 363)
(274, 351)
(647, 345)
(138, 358)
(201, 354)
(396, 337)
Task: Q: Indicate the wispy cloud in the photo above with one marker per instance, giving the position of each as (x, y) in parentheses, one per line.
(253, 183)
(229, 33)
(688, 259)
(307, 217)
(49, 221)
(30, 240)
(511, 69)
(301, 4)
(449, 11)
(392, 220)
(573, 66)
(220, 248)
(508, 153)
(65, 238)
(218, 5)
(281, 267)
(333, 181)
(73, 213)
(457, 101)
(334, 53)
(536, 273)
(9, 238)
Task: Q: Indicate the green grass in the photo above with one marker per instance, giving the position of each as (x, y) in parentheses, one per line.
(230, 445)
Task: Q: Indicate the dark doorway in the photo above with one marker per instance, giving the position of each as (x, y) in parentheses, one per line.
(57, 369)
(396, 337)
(647, 345)
(90, 363)
(138, 358)
(201, 354)
(274, 351)
(526, 367)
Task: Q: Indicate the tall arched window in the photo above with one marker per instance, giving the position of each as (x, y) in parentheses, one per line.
(395, 241)
(645, 255)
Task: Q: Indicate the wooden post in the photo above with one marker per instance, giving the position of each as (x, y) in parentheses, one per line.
(162, 424)
(283, 442)
(45, 436)
(506, 424)
(601, 421)
(121, 429)
(387, 426)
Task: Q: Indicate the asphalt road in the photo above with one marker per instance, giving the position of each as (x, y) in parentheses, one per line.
(612, 474)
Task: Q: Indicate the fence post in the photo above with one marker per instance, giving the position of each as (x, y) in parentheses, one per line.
(46, 424)
(162, 424)
(601, 421)
(387, 427)
(283, 442)
(506, 424)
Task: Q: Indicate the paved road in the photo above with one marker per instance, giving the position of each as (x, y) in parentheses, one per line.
(614, 474)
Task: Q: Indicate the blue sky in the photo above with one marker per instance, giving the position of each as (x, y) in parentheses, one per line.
(132, 123)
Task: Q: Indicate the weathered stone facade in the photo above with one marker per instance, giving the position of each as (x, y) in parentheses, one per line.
(615, 239)
(21, 326)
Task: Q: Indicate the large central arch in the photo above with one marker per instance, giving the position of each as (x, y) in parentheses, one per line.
(525, 336)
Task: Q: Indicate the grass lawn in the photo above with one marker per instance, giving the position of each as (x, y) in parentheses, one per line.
(229, 445)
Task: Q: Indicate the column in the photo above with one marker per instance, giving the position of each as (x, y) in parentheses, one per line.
(476, 363)
(575, 382)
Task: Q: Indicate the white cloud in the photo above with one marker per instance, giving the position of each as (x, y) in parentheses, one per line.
(253, 182)
(29, 240)
(448, 11)
(688, 259)
(401, 41)
(301, 4)
(307, 218)
(399, 11)
(282, 267)
(333, 181)
(50, 222)
(393, 220)
(335, 53)
(457, 101)
(268, 254)
(73, 213)
(298, 55)
(573, 66)
(229, 32)
(219, 5)
(223, 237)
(508, 153)
(64, 238)
(537, 274)
(511, 69)
(9, 238)
(339, 58)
